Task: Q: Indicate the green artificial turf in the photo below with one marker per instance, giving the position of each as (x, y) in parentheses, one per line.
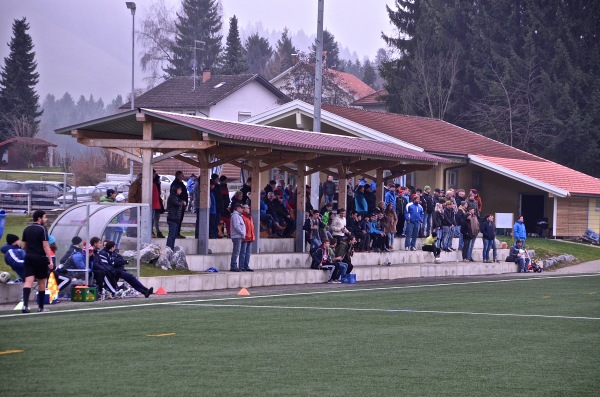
(499, 338)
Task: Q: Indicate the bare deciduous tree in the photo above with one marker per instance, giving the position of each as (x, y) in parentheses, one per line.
(157, 38)
(24, 129)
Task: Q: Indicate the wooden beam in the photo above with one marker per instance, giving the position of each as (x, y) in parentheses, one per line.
(167, 155)
(188, 160)
(81, 134)
(147, 144)
(128, 155)
(241, 165)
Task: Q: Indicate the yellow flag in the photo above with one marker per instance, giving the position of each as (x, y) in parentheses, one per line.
(52, 287)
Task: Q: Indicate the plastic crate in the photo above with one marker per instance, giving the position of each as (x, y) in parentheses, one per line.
(349, 279)
(83, 294)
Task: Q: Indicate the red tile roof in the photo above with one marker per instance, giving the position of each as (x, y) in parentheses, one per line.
(375, 98)
(282, 138)
(575, 182)
(352, 84)
(29, 141)
(433, 135)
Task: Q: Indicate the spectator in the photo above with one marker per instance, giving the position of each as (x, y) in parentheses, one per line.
(343, 253)
(246, 249)
(219, 205)
(157, 204)
(519, 232)
(14, 256)
(267, 218)
(448, 224)
(353, 227)
(76, 246)
(338, 226)
(377, 235)
(390, 223)
(437, 222)
(365, 229)
(488, 230)
(390, 196)
(518, 255)
(312, 227)
(238, 198)
(191, 187)
(428, 205)
(109, 197)
(478, 200)
(370, 198)
(471, 203)
(225, 213)
(461, 214)
(430, 245)
(401, 202)
(270, 186)
(134, 196)
(474, 229)
(329, 189)
(350, 194)
(324, 259)
(213, 231)
(135, 190)
(37, 259)
(360, 202)
(183, 196)
(246, 190)
(414, 217)
(237, 234)
(175, 207)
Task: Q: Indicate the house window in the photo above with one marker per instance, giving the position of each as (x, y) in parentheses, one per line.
(244, 116)
(452, 179)
(411, 179)
(476, 180)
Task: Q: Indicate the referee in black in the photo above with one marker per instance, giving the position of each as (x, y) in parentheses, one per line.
(38, 262)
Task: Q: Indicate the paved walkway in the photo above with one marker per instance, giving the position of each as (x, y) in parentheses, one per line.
(586, 267)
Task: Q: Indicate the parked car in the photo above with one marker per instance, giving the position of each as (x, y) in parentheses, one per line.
(61, 185)
(15, 193)
(81, 194)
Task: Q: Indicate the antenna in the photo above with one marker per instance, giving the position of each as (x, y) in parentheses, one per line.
(194, 62)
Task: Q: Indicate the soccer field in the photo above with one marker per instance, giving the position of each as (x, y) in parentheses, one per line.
(531, 337)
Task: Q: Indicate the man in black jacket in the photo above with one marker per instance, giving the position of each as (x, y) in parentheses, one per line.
(175, 210)
(428, 208)
(183, 196)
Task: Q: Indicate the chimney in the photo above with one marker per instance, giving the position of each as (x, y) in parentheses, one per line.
(294, 59)
(205, 75)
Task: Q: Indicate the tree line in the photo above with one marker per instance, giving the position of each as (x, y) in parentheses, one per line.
(523, 72)
(179, 43)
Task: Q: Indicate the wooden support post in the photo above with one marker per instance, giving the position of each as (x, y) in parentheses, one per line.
(203, 210)
(342, 188)
(255, 185)
(147, 174)
(380, 190)
(300, 207)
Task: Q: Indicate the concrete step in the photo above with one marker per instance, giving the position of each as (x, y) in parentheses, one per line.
(270, 277)
(291, 260)
(268, 245)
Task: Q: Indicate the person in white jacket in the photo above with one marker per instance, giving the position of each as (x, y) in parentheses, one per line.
(338, 225)
(237, 234)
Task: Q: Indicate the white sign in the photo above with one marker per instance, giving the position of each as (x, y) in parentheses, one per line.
(504, 220)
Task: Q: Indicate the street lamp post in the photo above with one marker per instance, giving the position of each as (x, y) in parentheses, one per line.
(131, 6)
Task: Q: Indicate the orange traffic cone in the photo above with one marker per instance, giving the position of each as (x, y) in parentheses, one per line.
(243, 292)
(160, 291)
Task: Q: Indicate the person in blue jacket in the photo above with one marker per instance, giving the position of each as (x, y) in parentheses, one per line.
(519, 232)
(14, 255)
(414, 219)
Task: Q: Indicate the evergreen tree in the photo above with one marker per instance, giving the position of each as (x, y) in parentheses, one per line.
(258, 54)
(18, 78)
(282, 59)
(369, 76)
(330, 49)
(200, 20)
(234, 61)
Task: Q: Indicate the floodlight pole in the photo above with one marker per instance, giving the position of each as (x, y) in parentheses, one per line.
(314, 178)
(131, 5)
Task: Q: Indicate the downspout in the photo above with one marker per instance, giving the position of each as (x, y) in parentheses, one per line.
(453, 168)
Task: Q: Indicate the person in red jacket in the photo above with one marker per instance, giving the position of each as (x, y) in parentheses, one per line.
(246, 249)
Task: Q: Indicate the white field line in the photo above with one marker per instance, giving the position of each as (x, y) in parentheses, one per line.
(353, 309)
(332, 291)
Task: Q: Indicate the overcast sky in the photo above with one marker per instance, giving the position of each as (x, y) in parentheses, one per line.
(84, 46)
